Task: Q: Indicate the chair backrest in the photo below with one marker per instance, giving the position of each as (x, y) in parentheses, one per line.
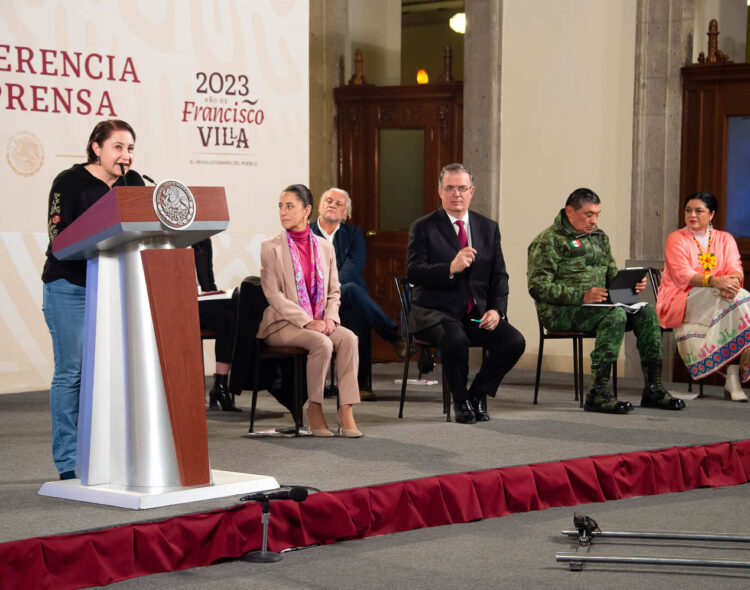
(250, 304)
(404, 297)
(654, 277)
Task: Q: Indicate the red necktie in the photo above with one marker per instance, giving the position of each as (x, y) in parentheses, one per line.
(463, 241)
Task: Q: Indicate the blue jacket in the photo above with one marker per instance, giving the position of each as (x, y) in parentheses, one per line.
(349, 244)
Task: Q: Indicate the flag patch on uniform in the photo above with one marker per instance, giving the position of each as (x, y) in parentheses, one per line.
(576, 243)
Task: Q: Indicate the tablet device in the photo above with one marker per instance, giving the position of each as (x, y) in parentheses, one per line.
(622, 287)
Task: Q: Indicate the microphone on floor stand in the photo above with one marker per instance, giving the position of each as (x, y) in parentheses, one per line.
(296, 493)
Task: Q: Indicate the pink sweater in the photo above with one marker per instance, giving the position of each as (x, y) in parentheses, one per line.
(681, 264)
(302, 240)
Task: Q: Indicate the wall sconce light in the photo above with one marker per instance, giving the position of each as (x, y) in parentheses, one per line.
(458, 22)
(422, 77)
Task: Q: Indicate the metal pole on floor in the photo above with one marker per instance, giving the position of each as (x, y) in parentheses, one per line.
(587, 529)
(574, 559)
(678, 536)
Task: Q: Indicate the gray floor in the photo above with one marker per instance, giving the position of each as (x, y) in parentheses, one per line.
(517, 551)
(496, 552)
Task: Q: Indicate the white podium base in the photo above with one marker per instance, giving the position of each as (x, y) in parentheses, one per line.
(225, 483)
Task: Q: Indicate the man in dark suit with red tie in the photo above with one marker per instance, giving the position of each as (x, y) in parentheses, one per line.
(460, 294)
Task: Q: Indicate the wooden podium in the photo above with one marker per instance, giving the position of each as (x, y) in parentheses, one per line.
(142, 439)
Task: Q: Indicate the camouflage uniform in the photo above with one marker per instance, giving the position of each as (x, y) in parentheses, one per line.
(563, 264)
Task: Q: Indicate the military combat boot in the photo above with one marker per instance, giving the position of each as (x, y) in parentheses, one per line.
(599, 398)
(654, 394)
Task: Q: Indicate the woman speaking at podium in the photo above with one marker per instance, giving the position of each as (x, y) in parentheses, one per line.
(110, 151)
(300, 281)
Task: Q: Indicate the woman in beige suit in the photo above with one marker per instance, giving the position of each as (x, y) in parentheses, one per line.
(300, 280)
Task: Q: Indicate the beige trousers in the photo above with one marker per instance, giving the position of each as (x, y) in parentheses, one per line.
(319, 350)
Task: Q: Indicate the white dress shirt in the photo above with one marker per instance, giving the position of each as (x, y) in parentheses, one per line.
(326, 235)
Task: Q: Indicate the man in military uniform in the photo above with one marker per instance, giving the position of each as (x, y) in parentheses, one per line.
(570, 264)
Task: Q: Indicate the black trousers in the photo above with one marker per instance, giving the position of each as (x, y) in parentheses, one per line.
(219, 316)
(505, 346)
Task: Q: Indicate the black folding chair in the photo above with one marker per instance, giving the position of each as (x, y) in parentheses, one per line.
(654, 277)
(577, 337)
(404, 296)
(299, 357)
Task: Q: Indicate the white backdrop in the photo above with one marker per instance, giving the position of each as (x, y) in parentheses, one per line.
(217, 92)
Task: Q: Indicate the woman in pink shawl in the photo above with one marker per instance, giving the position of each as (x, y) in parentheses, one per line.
(702, 299)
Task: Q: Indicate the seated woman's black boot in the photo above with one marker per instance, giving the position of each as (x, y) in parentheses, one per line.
(220, 393)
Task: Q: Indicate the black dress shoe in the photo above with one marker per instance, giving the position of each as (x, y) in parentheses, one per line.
(464, 413)
(479, 405)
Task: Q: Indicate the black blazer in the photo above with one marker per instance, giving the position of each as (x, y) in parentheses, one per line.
(433, 244)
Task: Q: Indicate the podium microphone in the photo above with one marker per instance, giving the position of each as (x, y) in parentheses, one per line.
(151, 180)
(122, 171)
(298, 494)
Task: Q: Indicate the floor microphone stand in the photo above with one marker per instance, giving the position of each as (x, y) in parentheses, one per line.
(263, 556)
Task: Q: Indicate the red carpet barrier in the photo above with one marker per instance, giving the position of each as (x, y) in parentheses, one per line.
(101, 557)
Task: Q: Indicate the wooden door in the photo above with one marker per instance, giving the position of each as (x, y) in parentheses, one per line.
(715, 139)
(393, 141)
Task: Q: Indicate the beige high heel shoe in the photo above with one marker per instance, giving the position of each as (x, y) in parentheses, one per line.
(346, 432)
(732, 388)
(321, 432)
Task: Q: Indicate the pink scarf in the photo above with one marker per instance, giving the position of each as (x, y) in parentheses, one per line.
(313, 304)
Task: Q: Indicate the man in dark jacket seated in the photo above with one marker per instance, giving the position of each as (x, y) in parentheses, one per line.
(460, 294)
(359, 312)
